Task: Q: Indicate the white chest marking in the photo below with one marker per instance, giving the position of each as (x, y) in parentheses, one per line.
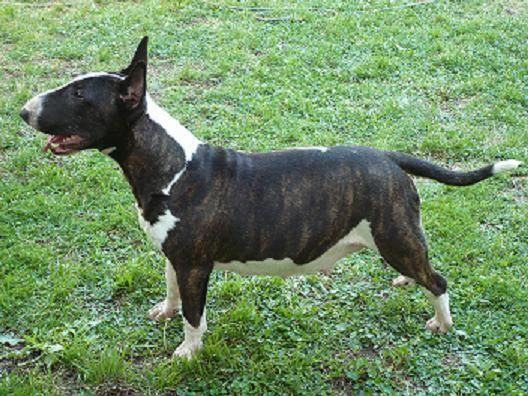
(159, 230)
(187, 141)
(359, 237)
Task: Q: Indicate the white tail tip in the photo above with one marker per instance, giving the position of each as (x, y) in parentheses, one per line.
(504, 166)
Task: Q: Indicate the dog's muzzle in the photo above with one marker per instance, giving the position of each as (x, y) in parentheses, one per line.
(24, 113)
(31, 111)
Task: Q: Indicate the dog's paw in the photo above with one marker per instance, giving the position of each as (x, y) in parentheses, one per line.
(402, 280)
(187, 350)
(163, 310)
(437, 326)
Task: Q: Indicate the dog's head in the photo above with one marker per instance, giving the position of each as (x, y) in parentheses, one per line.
(92, 111)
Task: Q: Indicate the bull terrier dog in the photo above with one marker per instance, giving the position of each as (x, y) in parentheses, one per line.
(276, 213)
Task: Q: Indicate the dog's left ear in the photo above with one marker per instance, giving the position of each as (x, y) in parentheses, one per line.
(134, 86)
(139, 56)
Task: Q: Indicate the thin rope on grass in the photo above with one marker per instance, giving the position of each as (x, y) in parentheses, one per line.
(269, 9)
(261, 10)
(406, 5)
(37, 5)
(279, 19)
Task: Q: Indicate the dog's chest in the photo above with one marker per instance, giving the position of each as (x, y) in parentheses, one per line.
(358, 238)
(159, 230)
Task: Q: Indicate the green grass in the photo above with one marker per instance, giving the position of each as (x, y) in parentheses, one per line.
(445, 81)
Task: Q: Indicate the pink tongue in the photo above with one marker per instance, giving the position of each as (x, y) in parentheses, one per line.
(48, 144)
(53, 139)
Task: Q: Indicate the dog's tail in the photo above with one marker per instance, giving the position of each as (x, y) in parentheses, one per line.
(418, 167)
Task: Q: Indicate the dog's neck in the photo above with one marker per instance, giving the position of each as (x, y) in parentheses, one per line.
(156, 153)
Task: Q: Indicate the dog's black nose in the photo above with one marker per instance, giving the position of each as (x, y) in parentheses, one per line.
(24, 114)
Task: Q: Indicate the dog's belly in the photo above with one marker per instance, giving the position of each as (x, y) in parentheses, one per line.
(358, 238)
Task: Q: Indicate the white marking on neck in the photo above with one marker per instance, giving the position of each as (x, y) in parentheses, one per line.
(359, 237)
(160, 229)
(504, 166)
(185, 139)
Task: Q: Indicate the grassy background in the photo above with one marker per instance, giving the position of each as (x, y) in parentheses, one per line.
(444, 80)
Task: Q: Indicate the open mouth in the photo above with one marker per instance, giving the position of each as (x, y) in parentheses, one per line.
(65, 144)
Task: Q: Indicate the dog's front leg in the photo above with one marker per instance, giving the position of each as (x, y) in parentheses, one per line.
(193, 290)
(172, 303)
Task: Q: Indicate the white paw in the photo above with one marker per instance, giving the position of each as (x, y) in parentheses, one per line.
(402, 280)
(437, 326)
(187, 350)
(163, 310)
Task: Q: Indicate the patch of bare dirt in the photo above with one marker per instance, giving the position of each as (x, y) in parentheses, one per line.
(515, 7)
(201, 20)
(107, 389)
(21, 361)
(520, 189)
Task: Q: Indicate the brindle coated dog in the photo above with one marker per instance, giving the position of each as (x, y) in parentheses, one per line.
(278, 213)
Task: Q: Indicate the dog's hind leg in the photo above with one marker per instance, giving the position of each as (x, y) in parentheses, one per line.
(405, 249)
(167, 308)
(193, 291)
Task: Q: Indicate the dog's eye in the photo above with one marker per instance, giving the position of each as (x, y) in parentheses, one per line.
(78, 93)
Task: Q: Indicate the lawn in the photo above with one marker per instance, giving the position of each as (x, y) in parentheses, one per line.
(441, 80)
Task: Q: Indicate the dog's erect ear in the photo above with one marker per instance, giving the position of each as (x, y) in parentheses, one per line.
(139, 56)
(134, 86)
